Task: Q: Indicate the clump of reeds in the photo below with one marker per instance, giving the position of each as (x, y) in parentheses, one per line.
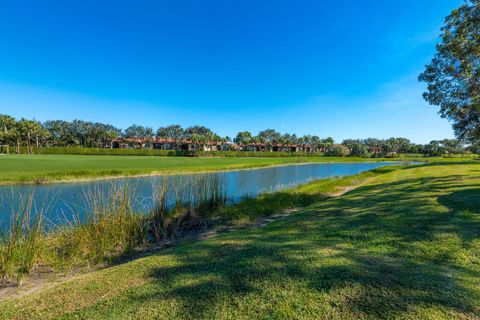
(202, 196)
(164, 219)
(20, 239)
(185, 205)
(106, 228)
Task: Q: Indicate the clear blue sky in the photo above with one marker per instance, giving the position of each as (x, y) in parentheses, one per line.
(345, 69)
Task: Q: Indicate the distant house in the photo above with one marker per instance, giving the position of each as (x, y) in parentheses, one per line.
(277, 147)
(228, 146)
(254, 147)
(216, 146)
(167, 144)
(171, 144)
(106, 144)
(131, 143)
(285, 147)
(209, 146)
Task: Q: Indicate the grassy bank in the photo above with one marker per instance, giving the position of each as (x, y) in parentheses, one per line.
(404, 245)
(50, 168)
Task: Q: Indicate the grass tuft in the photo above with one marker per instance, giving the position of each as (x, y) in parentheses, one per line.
(21, 240)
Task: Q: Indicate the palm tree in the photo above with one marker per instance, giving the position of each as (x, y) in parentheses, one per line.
(37, 132)
(43, 135)
(307, 141)
(16, 134)
(27, 130)
(327, 143)
(315, 142)
(262, 141)
(285, 139)
(243, 138)
(208, 139)
(7, 124)
(195, 140)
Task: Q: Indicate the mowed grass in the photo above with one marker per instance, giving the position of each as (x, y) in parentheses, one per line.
(404, 245)
(47, 168)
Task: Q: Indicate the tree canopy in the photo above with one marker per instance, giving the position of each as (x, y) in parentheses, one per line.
(453, 76)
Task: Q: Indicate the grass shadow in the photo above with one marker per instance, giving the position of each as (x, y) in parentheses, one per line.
(468, 199)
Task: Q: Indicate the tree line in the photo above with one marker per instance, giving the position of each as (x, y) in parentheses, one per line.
(53, 133)
(78, 133)
(372, 147)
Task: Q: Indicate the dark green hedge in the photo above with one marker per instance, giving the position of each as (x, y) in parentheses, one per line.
(256, 154)
(171, 153)
(96, 151)
(162, 153)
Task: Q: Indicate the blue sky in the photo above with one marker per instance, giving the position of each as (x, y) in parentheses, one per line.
(346, 69)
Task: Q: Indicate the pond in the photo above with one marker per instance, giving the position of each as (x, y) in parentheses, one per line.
(62, 200)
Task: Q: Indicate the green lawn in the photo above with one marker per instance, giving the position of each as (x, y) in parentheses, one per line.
(404, 245)
(45, 168)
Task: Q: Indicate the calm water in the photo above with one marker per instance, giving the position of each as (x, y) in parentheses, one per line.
(63, 199)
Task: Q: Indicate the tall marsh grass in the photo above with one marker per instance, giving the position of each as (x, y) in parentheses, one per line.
(186, 205)
(109, 226)
(21, 238)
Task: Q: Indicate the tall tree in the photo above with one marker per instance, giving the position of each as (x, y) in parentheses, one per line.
(174, 132)
(42, 136)
(28, 128)
(243, 137)
(327, 143)
(60, 132)
(453, 76)
(306, 140)
(286, 139)
(7, 125)
(136, 131)
(270, 136)
(16, 135)
(452, 146)
(434, 148)
(374, 145)
(199, 136)
(200, 130)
